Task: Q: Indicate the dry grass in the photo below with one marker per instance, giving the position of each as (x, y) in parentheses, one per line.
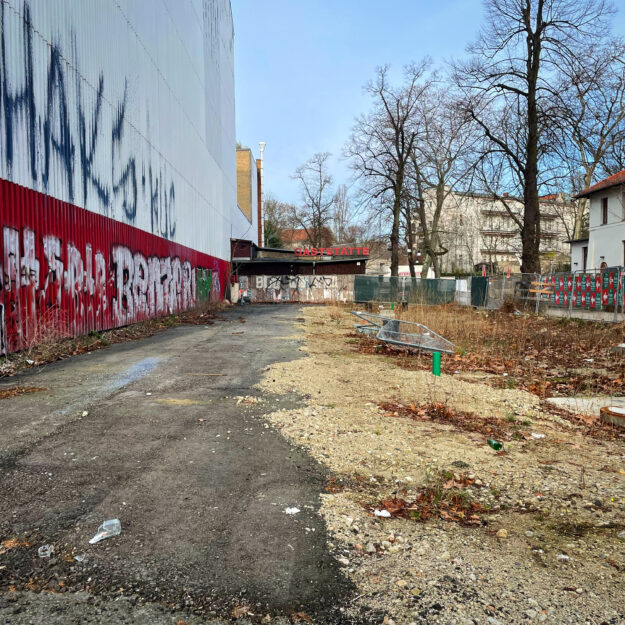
(545, 356)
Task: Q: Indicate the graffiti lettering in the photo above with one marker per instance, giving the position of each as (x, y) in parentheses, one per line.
(72, 288)
(59, 123)
(301, 288)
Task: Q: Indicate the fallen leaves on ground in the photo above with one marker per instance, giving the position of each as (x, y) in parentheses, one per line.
(20, 390)
(444, 501)
(591, 424)
(492, 427)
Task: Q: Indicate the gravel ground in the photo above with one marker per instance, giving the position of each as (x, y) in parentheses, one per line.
(551, 543)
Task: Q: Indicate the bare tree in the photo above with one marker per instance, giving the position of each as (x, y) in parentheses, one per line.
(381, 144)
(591, 105)
(342, 214)
(511, 72)
(440, 161)
(277, 219)
(315, 213)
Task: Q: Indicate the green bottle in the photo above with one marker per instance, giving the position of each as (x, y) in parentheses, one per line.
(496, 445)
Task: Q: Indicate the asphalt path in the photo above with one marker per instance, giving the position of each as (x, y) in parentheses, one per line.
(155, 433)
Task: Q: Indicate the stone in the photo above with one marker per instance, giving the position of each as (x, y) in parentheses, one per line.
(371, 548)
(529, 533)
(531, 614)
(621, 535)
(502, 533)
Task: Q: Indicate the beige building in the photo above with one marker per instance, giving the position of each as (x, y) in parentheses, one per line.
(478, 229)
(248, 194)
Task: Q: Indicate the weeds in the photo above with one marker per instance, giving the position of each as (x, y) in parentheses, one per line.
(52, 340)
(444, 496)
(540, 355)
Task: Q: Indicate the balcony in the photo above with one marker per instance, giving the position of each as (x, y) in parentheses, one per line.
(498, 212)
(487, 252)
(500, 233)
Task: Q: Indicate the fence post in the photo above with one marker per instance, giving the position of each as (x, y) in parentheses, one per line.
(436, 363)
(619, 295)
(540, 293)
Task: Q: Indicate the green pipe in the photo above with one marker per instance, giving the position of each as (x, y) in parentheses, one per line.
(436, 363)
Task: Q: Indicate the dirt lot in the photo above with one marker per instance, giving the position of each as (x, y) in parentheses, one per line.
(535, 532)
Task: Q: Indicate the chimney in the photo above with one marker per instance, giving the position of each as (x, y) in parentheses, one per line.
(260, 205)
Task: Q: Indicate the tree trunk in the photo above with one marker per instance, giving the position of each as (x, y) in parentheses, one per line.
(530, 232)
(436, 261)
(395, 238)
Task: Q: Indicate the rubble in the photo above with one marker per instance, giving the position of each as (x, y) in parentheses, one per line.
(504, 568)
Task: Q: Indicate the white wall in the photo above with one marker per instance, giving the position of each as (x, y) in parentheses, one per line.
(577, 255)
(125, 108)
(606, 240)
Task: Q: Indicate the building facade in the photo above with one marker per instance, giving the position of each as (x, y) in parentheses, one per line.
(605, 245)
(117, 161)
(478, 229)
(246, 221)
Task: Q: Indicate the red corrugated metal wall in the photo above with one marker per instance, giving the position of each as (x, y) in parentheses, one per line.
(67, 271)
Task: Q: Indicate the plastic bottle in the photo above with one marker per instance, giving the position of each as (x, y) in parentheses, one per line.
(108, 529)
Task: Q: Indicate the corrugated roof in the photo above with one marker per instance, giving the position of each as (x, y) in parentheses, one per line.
(611, 181)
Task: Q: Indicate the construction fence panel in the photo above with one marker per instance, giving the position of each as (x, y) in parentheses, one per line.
(598, 290)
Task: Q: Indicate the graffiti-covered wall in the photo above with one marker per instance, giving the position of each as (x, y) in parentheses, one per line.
(116, 133)
(296, 288)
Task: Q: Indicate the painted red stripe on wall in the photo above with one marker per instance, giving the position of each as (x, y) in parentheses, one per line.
(68, 270)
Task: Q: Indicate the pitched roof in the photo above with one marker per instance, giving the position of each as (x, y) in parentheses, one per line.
(611, 181)
(295, 236)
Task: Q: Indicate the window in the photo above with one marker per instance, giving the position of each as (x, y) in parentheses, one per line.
(584, 258)
(623, 206)
(604, 211)
(623, 253)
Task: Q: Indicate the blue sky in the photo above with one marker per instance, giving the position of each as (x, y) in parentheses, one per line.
(300, 66)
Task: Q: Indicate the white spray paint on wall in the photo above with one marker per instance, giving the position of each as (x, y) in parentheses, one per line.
(80, 291)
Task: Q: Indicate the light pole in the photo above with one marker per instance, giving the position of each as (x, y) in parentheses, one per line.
(262, 196)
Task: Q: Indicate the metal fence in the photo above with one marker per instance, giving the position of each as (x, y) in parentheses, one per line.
(404, 289)
(578, 293)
